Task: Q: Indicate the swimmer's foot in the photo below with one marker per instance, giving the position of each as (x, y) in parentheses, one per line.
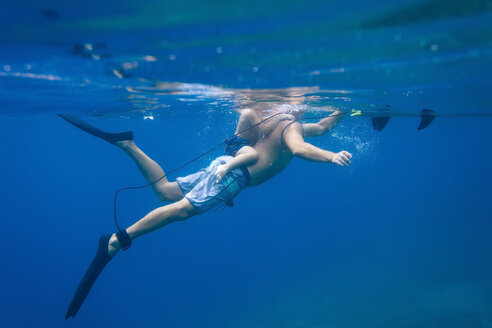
(108, 136)
(113, 246)
(120, 240)
(126, 145)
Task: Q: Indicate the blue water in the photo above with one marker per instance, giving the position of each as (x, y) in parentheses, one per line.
(401, 238)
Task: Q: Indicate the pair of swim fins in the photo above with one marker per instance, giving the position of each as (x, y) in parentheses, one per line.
(102, 257)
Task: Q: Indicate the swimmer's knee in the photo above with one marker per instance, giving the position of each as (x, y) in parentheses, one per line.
(165, 197)
(184, 209)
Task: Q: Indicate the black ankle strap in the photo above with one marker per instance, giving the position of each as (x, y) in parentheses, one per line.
(124, 239)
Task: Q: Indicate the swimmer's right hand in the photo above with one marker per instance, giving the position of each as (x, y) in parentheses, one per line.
(221, 171)
(342, 158)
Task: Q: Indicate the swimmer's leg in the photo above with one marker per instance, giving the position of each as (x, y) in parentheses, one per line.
(158, 218)
(109, 245)
(165, 190)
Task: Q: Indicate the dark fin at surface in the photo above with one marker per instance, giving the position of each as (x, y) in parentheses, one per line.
(98, 263)
(108, 136)
(378, 123)
(427, 118)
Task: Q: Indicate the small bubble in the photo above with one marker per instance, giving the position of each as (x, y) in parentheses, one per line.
(172, 57)
(149, 58)
(255, 69)
(337, 70)
(7, 68)
(117, 73)
(127, 65)
(218, 50)
(27, 67)
(435, 47)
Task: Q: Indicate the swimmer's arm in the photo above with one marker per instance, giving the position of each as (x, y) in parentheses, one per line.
(323, 126)
(245, 156)
(295, 142)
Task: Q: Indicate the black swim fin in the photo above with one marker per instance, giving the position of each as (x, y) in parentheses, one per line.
(98, 263)
(427, 118)
(108, 136)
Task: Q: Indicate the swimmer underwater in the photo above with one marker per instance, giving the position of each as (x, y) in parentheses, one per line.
(252, 158)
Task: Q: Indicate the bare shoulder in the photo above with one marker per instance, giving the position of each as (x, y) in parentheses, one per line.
(275, 123)
(291, 130)
(249, 114)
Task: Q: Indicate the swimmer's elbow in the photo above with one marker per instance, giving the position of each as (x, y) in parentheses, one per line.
(252, 158)
(300, 150)
(324, 129)
(317, 130)
(248, 153)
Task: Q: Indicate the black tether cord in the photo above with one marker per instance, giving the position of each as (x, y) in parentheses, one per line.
(115, 199)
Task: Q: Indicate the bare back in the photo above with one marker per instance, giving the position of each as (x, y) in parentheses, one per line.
(274, 156)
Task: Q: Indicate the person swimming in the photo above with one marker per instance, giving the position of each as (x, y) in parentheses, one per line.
(276, 144)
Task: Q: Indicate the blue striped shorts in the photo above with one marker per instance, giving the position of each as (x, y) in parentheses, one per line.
(204, 192)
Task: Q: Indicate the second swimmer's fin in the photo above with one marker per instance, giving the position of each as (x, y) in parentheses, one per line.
(108, 136)
(98, 263)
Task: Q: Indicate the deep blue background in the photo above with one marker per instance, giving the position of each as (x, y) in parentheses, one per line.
(401, 238)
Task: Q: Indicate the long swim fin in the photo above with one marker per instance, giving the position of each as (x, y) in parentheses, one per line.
(86, 127)
(427, 118)
(98, 263)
